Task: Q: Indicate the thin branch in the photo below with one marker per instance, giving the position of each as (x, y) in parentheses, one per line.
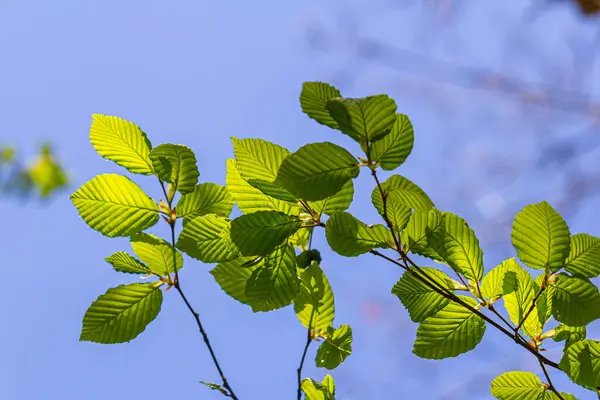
(306, 346)
(531, 308)
(228, 392)
(550, 385)
(496, 313)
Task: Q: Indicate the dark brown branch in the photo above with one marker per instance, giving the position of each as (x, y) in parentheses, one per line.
(306, 346)
(550, 385)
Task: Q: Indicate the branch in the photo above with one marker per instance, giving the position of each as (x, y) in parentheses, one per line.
(306, 346)
(550, 385)
(535, 299)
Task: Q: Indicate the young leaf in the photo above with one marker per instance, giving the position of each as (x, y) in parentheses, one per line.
(419, 299)
(315, 390)
(452, 331)
(336, 203)
(584, 256)
(260, 232)
(545, 299)
(258, 162)
(315, 300)
(336, 347)
(123, 262)
(391, 151)
(461, 248)
(206, 198)
(208, 239)
(275, 284)
(581, 361)
(572, 334)
(115, 206)
(123, 142)
(404, 192)
(232, 277)
(313, 100)
(519, 293)
(517, 385)
(156, 253)
(424, 234)
(350, 237)
(576, 301)
(122, 313)
(249, 199)
(364, 119)
(492, 285)
(317, 171)
(541, 237)
(176, 164)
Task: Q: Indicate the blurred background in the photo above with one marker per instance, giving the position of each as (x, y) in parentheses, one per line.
(501, 95)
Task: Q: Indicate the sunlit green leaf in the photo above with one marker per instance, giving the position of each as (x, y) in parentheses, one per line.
(176, 164)
(581, 361)
(336, 203)
(315, 300)
(492, 286)
(123, 262)
(122, 313)
(350, 237)
(541, 237)
(517, 385)
(461, 248)
(336, 347)
(260, 232)
(318, 391)
(450, 332)
(404, 193)
(232, 277)
(123, 142)
(424, 234)
(275, 284)
(115, 206)
(208, 239)
(391, 151)
(584, 257)
(519, 293)
(156, 253)
(206, 198)
(576, 301)
(46, 173)
(317, 171)
(313, 100)
(364, 119)
(571, 334)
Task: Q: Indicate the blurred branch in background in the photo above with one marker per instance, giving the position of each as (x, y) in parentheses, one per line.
(41, 177)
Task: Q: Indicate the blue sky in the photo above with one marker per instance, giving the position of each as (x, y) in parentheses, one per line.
(198, 73)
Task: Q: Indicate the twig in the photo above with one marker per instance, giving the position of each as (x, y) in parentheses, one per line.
(496, 313)
(531, 308)
(550, 385)
(306, 346)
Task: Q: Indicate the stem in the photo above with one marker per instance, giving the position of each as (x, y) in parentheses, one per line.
(228, 392)
(535, 299)
(496, 313)
(306, 346)
(550, 385)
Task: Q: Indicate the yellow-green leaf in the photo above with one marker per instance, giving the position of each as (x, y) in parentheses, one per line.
(176, 164)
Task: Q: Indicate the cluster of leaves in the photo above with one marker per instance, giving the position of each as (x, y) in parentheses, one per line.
(264, 257)
(44, 175)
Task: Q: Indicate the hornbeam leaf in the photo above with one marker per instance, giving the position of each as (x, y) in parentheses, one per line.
(313, 100)
(206, 198)
(115, 206)
(576, 301)
(314, 304)
(176, 164)
(123, 142)
(336, 347)
(391, 151)
(208, 239)
(156, 253)
(261, 232)
(364, 119)
(584, 256)
(350, 237)
(122, 313)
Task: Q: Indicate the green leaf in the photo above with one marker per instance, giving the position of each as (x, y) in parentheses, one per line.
(404, 192)
(452, 331)
(461, 248)
(492, 285)
(544, 302)
(123, 262)
(258, 162)
(305, 259)
(214, 386)
(317, 171)
(115, 206)
(572, 334)
(232, 277)
(122, 313)
(581, 361)
(317, 391)
(249, 199)
(519, 292)
(397, 213)
(206, 198)
(275, 284)
(391, 151)
(419, 299)
(261, 232)
(541, 237)
(156, 253)
(176, 164)
(350, 237)
(208, 239)
(336, 203)
(315, 300)
(584, 256)
(424, 234)
(313, 100)
(364, 119)
(123, 142)
(576, 301)
(517, 385)
(301, 238)
(336, 347)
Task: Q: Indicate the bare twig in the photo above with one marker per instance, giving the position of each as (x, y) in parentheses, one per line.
(550, 385)
(306, 346)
